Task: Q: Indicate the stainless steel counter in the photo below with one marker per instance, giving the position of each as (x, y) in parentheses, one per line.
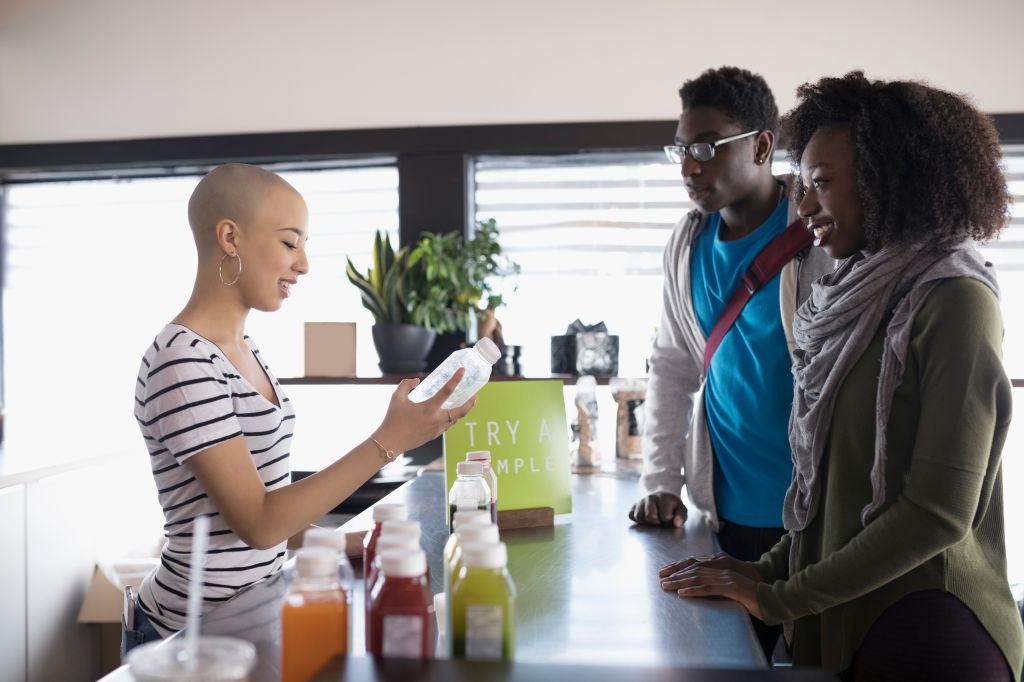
(588, 593)
(587, 588)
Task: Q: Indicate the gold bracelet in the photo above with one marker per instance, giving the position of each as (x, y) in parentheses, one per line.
(388, 455)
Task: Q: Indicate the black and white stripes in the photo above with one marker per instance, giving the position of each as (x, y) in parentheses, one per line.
(189, 398)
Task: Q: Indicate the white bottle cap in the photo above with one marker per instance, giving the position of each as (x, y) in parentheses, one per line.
(397, 542)
(406, 528)
(396, 563)
(325, 537)
(469, 469)
(470, 517)
(388, 511)
(316, 562)
(478, 533)
(488, 350)
(484, 555)
(478, 456)
(586, 383)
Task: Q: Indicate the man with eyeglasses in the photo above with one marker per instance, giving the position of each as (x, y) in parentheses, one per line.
(724, 431)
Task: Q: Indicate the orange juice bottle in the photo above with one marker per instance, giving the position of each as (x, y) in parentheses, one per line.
(314, 618)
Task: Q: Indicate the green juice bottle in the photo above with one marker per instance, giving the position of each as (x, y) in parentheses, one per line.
(471, 532)
(463, 519)
(483, 605)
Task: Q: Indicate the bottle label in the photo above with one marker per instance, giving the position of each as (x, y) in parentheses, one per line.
(403, 637)
(484, 632)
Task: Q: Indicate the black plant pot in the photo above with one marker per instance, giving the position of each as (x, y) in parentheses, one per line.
(402, 348)
(444, 345)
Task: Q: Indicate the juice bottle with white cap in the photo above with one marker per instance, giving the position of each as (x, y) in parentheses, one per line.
(476, 360)
(335, 541)
(466, 535)
(484, 457)
(469, 491)
(314, 617)
(394, 534)
(401, 613)
(482, 605)
(469, 517)
(381, 512)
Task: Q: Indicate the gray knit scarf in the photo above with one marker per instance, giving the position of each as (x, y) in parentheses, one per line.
(832, 330)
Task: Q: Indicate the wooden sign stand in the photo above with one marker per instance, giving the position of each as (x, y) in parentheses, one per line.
(536, 517)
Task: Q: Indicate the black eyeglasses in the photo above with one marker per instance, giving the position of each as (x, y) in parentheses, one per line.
(701, 151)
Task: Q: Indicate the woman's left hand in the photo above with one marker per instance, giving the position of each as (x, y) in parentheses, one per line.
(702, 581)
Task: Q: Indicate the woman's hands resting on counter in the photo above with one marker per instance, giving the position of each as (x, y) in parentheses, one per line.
(720, 575)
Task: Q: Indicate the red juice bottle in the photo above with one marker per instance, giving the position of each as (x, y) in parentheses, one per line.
(401, 614)
(394, 533)
(386, 543)
(381, 513)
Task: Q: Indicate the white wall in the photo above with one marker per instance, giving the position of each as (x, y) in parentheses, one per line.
(98, 69)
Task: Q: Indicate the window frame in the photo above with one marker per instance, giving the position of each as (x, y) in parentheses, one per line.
(434, 163)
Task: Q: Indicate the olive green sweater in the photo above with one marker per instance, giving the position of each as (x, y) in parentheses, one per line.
(942, 523)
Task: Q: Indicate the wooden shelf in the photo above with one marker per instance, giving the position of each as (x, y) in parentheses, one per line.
(393, 379)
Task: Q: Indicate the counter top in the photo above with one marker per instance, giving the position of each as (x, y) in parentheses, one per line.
(587, 587)
(588, 596)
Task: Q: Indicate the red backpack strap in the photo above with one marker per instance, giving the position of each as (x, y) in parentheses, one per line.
(766, 265)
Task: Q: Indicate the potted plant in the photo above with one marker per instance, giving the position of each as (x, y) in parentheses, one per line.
(400, 336)
(456, 279)
(432, 289)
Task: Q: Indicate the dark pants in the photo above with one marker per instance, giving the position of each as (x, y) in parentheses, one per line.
(143, 632)
(928, 635)
(748, 544)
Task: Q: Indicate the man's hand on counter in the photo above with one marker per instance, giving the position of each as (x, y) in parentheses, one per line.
(659, 509)
(720, 575)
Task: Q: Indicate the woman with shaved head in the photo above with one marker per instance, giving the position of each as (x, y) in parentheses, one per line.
(217, 424)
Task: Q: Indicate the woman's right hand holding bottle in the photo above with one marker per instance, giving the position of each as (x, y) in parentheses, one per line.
(408, 425)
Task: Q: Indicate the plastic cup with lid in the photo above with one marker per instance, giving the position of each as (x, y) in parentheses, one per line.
(218, 659)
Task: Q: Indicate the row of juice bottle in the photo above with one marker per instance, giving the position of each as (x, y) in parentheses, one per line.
(479, 595)
(400, 612)
(474, 615)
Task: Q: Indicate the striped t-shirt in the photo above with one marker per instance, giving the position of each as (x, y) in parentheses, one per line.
(189, 397)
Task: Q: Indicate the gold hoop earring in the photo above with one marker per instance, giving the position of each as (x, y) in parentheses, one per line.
(220, 270)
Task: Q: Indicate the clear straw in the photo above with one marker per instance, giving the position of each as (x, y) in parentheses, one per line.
(200, 533)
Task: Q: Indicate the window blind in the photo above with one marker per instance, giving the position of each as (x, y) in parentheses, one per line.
(94, 268)
(588, 231)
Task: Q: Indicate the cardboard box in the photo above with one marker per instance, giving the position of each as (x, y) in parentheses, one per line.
(104, 602)
(330, 349)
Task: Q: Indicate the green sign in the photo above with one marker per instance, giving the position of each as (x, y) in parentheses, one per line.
(522, 425)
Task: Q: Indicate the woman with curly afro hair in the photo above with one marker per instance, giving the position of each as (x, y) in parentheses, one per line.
(894, 564)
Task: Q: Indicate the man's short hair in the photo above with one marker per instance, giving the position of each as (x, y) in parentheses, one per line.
(741, 95)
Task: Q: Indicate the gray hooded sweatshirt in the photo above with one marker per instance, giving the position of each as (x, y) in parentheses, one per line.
(676, 444)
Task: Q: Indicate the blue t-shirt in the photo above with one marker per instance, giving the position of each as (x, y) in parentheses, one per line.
(749, 390)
